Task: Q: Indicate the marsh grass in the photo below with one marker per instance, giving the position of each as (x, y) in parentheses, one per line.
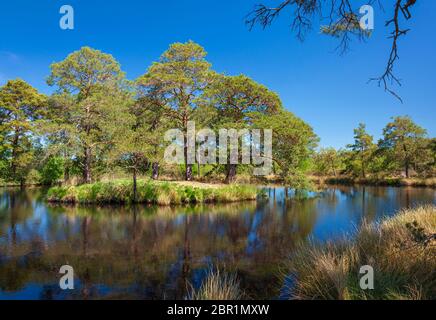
(218, 285)
(160, 193)
(400, 249)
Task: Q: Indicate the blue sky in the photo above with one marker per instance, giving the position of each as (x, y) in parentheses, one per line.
(327, 90)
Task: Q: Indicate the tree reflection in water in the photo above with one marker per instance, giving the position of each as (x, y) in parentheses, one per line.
(143, 252)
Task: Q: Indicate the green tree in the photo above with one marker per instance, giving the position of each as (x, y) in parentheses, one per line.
(60, 137)
(52, 170)
(235, 98)
(430, 168)
(432, 150)
(135, 147)
(91, 101)
(134, 162)
(151, 118)
(405, 141)
(380, 164)
(328, 162)
(20, 107)
(178, 80)
(293, 143)
(363, 148)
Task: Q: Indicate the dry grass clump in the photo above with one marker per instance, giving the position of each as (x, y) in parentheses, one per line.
(401, 250)
(218, 286)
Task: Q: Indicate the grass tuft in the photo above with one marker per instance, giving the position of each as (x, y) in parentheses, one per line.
(401, 250)
(218, 286)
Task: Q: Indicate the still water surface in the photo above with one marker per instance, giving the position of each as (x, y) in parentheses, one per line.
(158, 252)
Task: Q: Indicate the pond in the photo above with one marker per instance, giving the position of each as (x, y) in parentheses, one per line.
(160, 252)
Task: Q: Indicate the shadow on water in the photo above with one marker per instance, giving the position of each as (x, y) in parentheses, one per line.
(144, 252)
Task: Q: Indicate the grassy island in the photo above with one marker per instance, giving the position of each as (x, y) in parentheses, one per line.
(151, 192)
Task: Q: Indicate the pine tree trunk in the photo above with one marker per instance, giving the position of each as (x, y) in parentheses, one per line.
(155, 170)
(231, 173)
(87, 167)
(188, 167)
(135, 189)
(407, 160)
(188, 172)
(14, 154)
(66, 174)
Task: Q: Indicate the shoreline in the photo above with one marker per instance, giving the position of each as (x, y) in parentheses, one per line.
(386, 182)
(316, 180)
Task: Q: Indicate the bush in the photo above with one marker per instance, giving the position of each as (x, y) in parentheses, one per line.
(52, 171)
(33, 177)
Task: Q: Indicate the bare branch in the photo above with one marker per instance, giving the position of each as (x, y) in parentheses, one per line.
(388, 78)
(342, 23)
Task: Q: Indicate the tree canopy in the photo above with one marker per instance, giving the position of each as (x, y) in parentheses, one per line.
(89, 105)
(98, 123)
(178, 80)
(20, 107)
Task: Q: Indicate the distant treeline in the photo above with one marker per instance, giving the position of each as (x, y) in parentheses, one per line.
(99, 123)
(403, 151)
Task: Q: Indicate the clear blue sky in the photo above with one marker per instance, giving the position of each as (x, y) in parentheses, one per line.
(327, 90)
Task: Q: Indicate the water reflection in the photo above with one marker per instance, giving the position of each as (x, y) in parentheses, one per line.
(158, 252)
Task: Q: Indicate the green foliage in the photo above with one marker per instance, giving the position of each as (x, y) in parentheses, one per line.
(362, 149)
(142, 141)
(328, 162)
(52, 170)
(405, 142)
(97, 120)
(3, 168)
(33, 177)
(235, 97)
(404, 146)
(90, 107)
(175, 84)
(84, 72)
(21, 107)
(348, 24)
(293, 143)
